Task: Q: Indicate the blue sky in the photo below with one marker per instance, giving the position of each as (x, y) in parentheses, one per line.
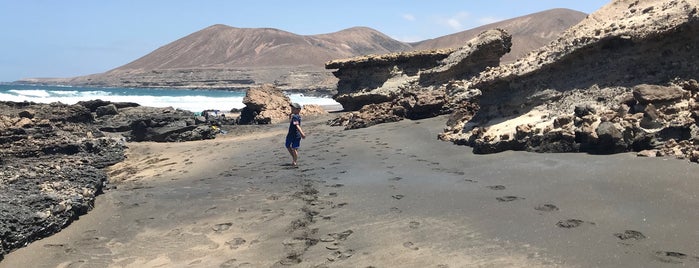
(48, 38)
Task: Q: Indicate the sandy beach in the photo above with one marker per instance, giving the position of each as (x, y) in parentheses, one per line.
(391, 195)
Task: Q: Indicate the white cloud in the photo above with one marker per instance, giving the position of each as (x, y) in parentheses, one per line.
(409, 17)
(488, 20)
(455, 22)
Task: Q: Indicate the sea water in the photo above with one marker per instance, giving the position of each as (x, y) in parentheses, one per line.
(192, 100)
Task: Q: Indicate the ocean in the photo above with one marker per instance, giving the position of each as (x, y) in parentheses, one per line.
(192, 100)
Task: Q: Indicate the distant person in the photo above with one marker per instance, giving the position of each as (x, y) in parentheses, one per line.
(293, 138)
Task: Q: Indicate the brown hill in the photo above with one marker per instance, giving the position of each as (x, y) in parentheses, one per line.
(528, 32)
(221, 56)
(221, 46)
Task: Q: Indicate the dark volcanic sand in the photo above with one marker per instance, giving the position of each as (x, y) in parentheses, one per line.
(388, 196)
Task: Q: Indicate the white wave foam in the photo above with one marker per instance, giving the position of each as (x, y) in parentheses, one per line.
(37, 93)
(196, 102)
(303, 100)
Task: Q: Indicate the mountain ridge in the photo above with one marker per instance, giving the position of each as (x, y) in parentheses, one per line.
(226, 57)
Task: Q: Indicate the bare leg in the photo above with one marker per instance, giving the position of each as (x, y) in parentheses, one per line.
(294, 155)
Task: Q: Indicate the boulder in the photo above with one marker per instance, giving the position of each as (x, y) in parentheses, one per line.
(109, 109)
(267, 104)
(609, 139)
(27, 114)
(646, 94)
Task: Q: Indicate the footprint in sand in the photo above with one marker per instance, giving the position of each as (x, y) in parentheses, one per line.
(630, 234)
(674, 257)
(395, 210)
(572, 223)
(414, 225)
(342, 235)
(410, 245)
(395, 179)
(398, 196)
(222, 227)
(235, 243)
(341, 255)
(546, 207)
(496, 187)
(508, 198)
(339, 205)
(76, 264)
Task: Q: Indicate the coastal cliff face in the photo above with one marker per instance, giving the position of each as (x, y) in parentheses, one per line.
(624, 79)
(387, 88)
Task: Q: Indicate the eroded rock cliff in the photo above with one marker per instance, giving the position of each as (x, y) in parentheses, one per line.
(387, 88)
(623, 79)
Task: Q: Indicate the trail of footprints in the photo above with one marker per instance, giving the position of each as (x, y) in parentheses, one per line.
(305, 236)
(626, 236)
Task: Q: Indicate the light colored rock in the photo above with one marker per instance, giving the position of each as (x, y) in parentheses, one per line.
(269, 105)
(607, 69)
(648, 153)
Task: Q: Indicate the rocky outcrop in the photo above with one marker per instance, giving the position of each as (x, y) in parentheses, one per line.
(623, 79)
(51, 169)
(156, 124)
(53, 155)
(267, 104)
(139, 123)
(408, 85)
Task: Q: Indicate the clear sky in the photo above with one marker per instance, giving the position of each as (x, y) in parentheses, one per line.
(66, 38)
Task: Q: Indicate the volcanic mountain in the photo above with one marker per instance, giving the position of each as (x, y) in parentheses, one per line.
(226, 57)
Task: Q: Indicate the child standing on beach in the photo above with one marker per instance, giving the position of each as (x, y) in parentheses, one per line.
(293, 138)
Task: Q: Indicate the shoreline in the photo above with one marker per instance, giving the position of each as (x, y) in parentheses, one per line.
(213, 100)
(375, 197)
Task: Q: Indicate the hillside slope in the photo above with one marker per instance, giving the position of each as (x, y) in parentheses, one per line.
(528, 32)
(225, 57)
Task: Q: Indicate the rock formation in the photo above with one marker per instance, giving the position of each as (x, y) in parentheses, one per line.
(52, 160)
(53, 155)
(267, 104)
(387, 88)
(624, 79)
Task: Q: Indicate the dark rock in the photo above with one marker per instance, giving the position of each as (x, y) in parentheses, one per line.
(651, 118)
(94, 104)
(27, 114)
(583, 110)
(645, 93)
(52, 170)
(68, 113)
(53, 163)
(610, 139)
(109, 109)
